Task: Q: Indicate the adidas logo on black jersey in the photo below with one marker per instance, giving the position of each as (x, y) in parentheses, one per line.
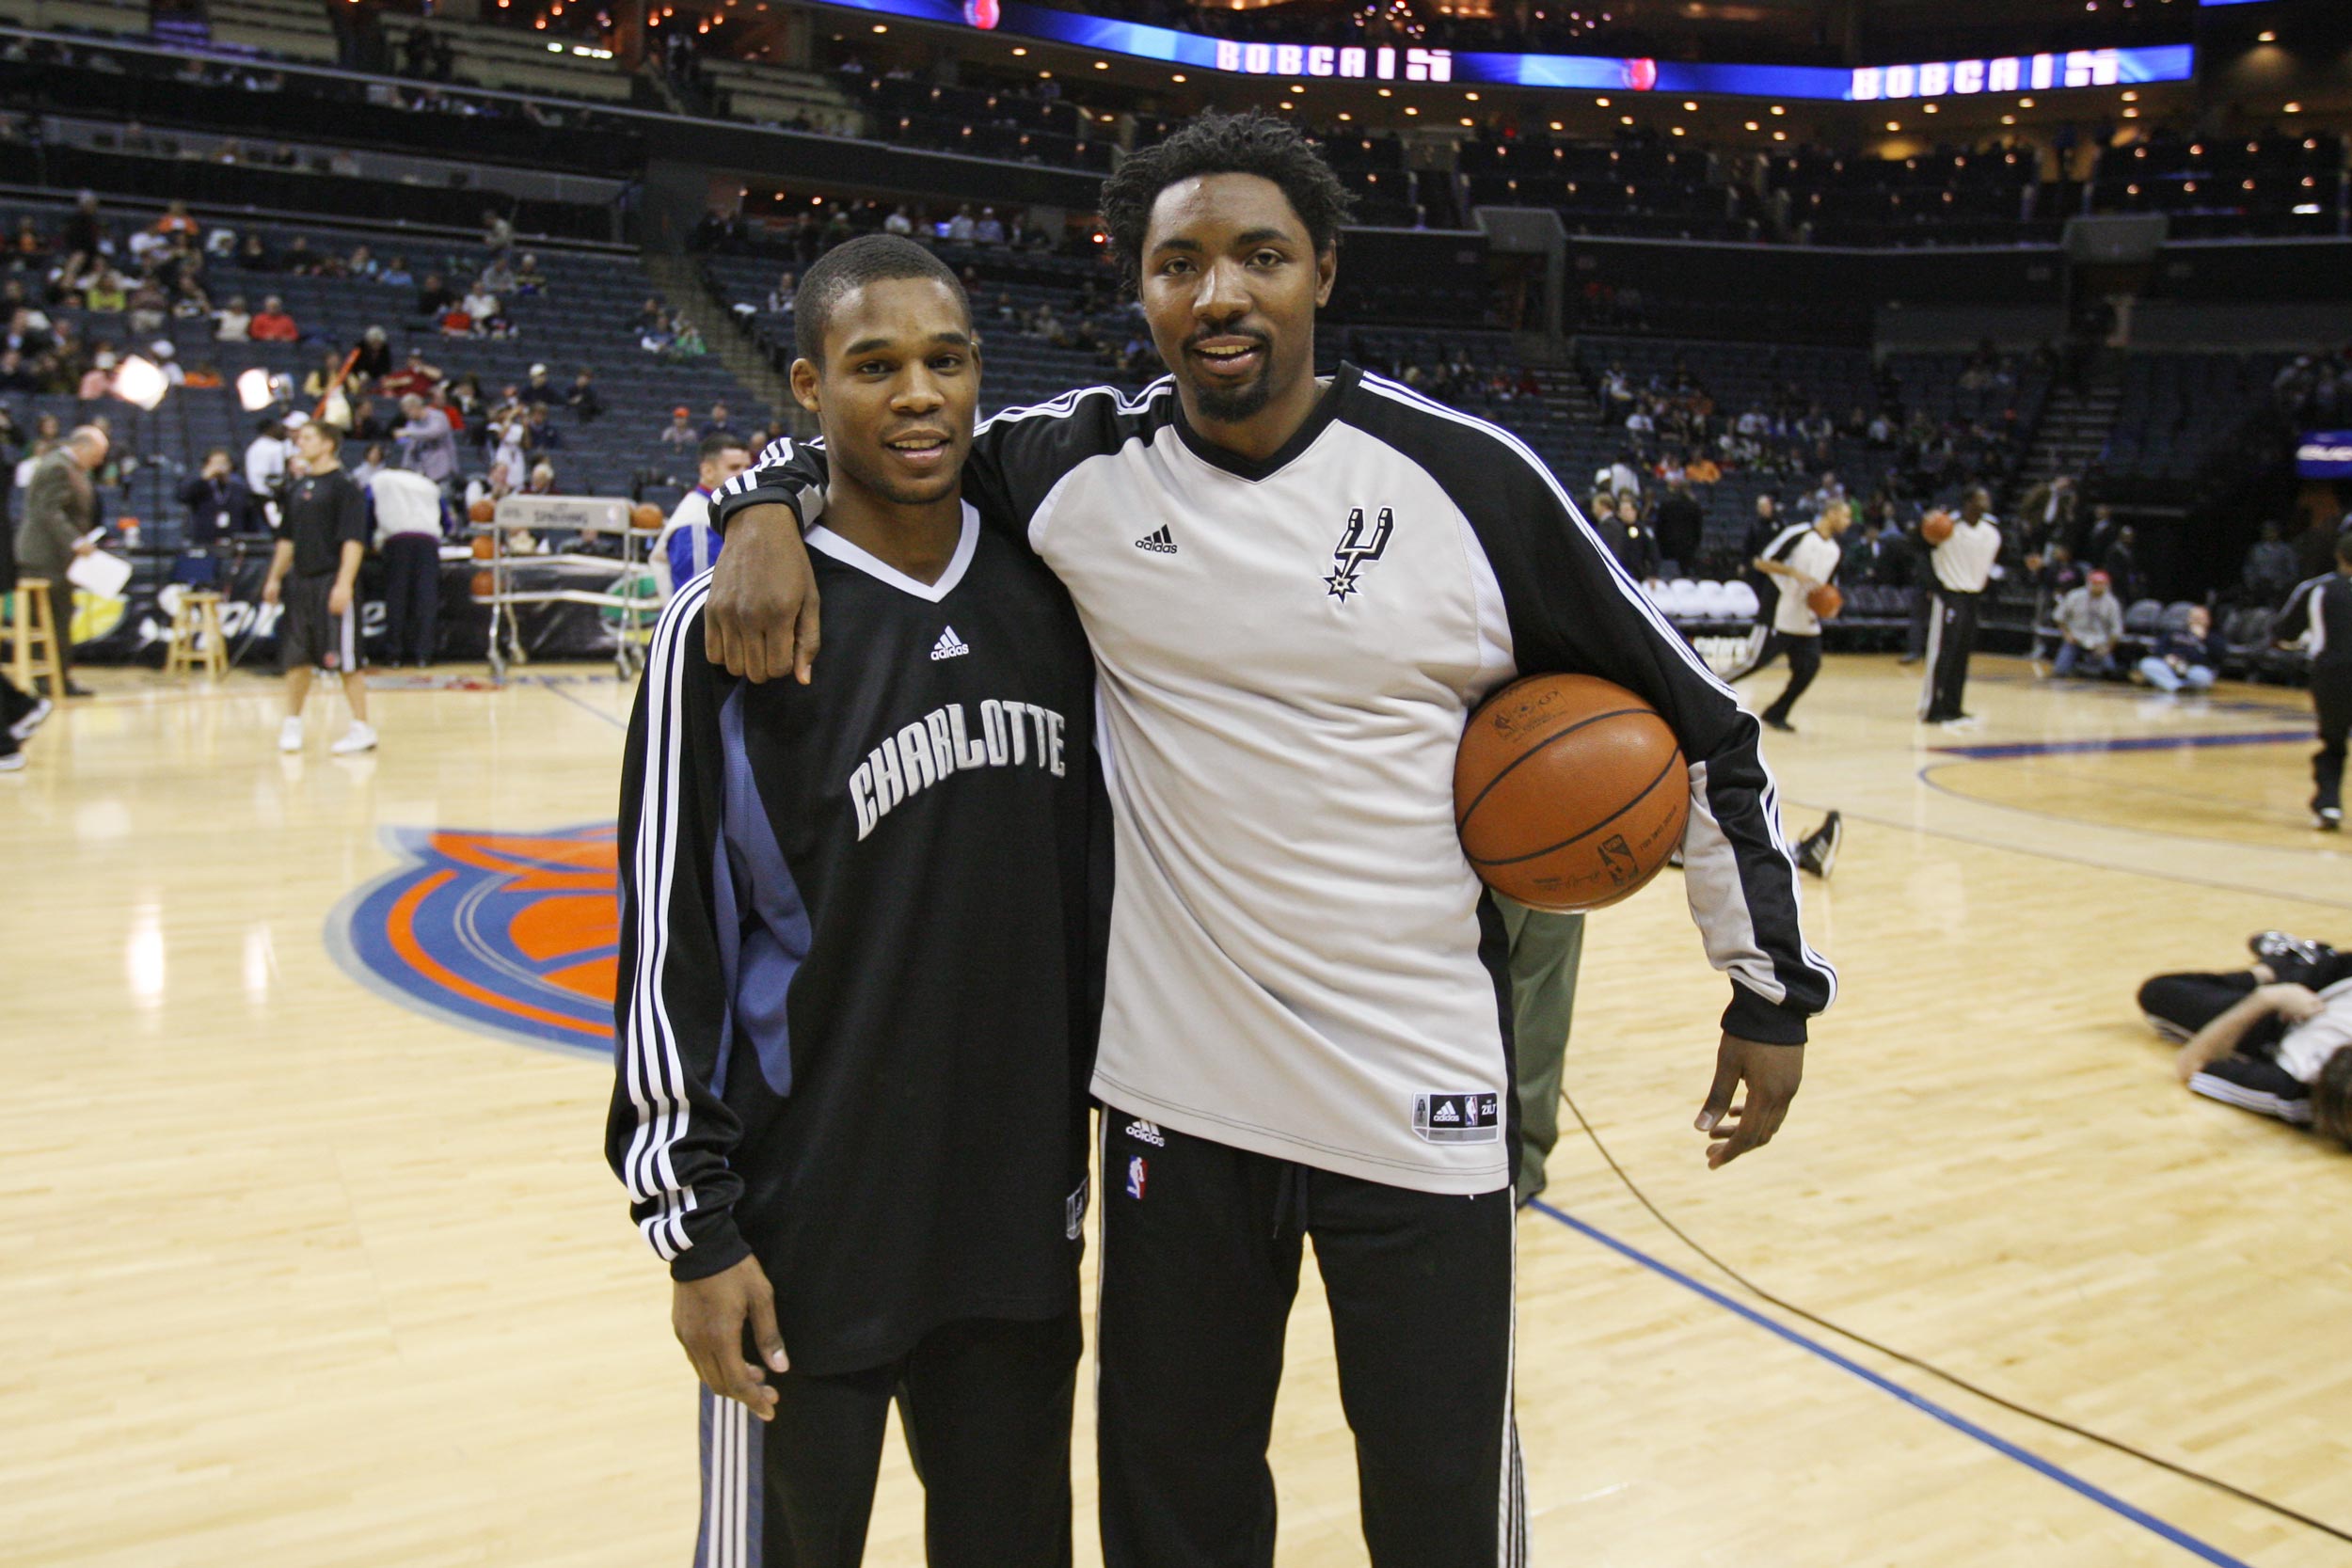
(1158, 542)
(949, 646)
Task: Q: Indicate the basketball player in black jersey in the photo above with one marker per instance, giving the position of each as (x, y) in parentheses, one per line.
(860, 978)
(2318, 616)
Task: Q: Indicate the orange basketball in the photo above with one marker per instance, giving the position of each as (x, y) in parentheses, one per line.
(645, 516)
(1569, 792)
(1936, 526)
(482, 511)
(1825, 601)
(485, 547)
(485, 584)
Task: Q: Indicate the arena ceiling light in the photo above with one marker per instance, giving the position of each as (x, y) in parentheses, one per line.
(253, 390)
(139, 383)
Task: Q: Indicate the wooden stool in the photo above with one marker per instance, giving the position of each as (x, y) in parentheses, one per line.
(196, 642)
(32, 648)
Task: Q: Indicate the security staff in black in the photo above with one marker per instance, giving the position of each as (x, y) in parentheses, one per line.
(2318, 614)
(859, 979)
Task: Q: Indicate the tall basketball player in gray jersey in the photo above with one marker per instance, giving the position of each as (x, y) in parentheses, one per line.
(1297, 591)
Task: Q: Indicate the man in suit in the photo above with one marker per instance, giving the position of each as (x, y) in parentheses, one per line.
(60, 508)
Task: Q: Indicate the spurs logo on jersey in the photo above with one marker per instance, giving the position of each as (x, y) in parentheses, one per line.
(1359, 546)
(944, 742)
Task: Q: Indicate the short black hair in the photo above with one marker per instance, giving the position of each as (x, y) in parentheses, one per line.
(719, 441)
(2332, 1096)
(852, 264)
(1250, 142)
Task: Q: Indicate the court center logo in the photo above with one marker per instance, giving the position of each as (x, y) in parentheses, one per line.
(515, 935)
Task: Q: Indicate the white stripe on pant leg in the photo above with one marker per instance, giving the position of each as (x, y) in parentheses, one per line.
(741, 1533)
(1511, 1518)
(1935, 652)
(350, 643)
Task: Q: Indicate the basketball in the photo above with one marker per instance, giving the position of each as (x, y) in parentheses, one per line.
(485, 584)
(1936, 526)
(1569, 792)
(482, 511)
(1825, 601)
(485, 547)
(645, 518)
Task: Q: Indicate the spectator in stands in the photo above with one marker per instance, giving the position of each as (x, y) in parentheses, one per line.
(435, 297)
(266, 455)
(104, 293)
(899, 222)
(374, 359)
(2270, 567)
(542, 478)
(538, 389)
(1681, 524)
(2186, 657)
(367, 421)
(2090, 621)
(323, 375)
(300, 261)
(15, 374)
(989, 231)
(494, 486)
(722, 423)
(583, 399)
(680, 431)
(482, 309)
(539, 433)
(255, 254)
(497, 234)
(232, 324)
(428, 443)
(2047, 511)
(395, 273)
(497, 278)
(372, 461)
(273, 324)
(961, 227)
(779, 297)
(414, 377)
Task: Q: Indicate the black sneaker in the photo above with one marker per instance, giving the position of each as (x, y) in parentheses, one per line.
(1783, 725)
(1818, 852)
(23, 729)
(2328, 819)
(2291, 959)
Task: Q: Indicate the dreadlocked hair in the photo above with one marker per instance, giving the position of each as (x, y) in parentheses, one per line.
(1245, 143)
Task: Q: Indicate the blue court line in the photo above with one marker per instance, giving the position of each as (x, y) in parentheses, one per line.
(2005, 750)
(546, 683)
(2106, 1499)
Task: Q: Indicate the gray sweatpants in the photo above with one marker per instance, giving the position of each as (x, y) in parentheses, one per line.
(1544, 952)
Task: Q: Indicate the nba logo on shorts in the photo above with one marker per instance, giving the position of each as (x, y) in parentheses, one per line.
(1137, 1171)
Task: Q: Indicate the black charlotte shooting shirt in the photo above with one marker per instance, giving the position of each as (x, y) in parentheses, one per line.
(324, 511)
(860, 962)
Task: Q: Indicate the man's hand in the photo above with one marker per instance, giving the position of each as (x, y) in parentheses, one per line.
(1772, 1073)
(2295, 1004)
(339, 599)
(270, 591)
(760, 620)
(707, 1315)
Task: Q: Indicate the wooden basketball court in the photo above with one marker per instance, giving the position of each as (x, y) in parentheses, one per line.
(298, 1273)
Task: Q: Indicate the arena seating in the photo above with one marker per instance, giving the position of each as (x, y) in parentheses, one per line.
(2270, 183)
(1948, 196)
(585, 318)
(1629, 186)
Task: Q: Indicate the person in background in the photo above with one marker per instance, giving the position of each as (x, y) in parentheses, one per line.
(1681, 523)
(2091, 618)
(375, 357)
(2270, 567)
(2274, 1038)
(220, 506)
(722, 423)
(60, 513)
(1631, 540)
(539, 390)
(680, 431)
(21, 712)
(428, 443)
(408, 536)
(314, 573)
(1546, 951)
(1962, 565)
(2187, 658)
(232, 322)
(2318, 617)
(273, 325)
(583, 399)
(687, 544)
(1804, 556)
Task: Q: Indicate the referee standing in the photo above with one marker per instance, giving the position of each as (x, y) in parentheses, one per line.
(2319, 615)
(1962, 564)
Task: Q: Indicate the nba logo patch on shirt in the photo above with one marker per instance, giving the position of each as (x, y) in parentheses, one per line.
(1458, 1119)
(1074, 1212)
(1136, 1172)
